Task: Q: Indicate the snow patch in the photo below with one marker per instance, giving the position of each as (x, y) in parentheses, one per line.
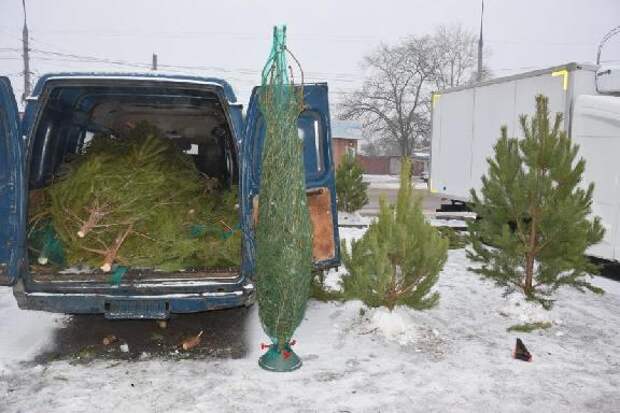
(352, 219)
(333, 276)
(390, 182)
(23, 334)
(516, 308)
(453, 223)
(381, 179)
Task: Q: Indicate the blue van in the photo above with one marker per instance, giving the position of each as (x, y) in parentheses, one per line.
(67, 109)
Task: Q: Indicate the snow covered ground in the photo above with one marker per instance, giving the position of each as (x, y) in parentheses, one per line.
(455, 357)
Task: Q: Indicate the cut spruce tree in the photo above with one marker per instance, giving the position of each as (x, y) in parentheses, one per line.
(134, 201)
(350, 188)
(398, 260)
(283, 232)
(534, 224)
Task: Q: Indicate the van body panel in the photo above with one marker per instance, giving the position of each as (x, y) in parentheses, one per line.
(12, 189)
(315, 129)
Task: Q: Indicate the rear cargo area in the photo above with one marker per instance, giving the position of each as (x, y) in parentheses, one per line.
(134, 181)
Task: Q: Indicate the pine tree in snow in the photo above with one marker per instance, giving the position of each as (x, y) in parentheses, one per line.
(534, 225)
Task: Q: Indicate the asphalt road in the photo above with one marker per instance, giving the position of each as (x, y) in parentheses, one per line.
(81, 339)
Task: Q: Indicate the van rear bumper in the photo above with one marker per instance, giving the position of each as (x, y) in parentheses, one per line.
(155, 306)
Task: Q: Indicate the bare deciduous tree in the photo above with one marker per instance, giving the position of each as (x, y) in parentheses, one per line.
(456, 55)
(393, 103)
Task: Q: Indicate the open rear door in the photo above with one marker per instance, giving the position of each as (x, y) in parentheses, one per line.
(11, 187)
(314, 127)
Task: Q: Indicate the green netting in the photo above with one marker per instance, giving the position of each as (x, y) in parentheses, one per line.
(45, 244)
(284, 237)
(136, 201)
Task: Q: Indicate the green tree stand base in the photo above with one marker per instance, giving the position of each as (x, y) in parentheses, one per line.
(282, 361)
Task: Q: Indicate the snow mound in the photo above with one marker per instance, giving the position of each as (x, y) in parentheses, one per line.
(404, 327)
(394, 325)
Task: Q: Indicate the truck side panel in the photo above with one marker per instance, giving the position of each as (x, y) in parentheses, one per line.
(451, 166)
(494, 108)
(467, 122)
(596, 129)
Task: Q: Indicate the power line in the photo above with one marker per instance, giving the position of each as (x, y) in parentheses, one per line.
(340, 77)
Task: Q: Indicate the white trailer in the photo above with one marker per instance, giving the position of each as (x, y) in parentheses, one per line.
(467, 120)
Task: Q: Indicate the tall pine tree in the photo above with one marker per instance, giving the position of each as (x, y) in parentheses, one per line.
(534, 226)
(350, 187)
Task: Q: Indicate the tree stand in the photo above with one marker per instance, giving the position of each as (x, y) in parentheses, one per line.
(281, 361)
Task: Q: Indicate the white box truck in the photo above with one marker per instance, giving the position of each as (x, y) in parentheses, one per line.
(466, 124)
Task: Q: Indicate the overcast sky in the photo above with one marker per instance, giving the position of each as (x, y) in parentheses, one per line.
(231, 38)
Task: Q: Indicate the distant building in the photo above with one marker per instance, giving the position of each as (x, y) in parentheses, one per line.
(345, 138)
(390, 165)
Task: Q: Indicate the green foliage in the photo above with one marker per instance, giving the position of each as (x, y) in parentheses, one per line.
(534, 227)
(529, 327)
(350, 187)
(283, 233)
(319, 292)
(44, 242)
(455, 238)
(133, 200)
(399, 258)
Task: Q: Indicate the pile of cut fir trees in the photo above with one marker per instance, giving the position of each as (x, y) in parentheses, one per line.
(135, 201)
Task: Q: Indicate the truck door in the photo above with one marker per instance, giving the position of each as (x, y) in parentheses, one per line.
(12, 190)
(314, 128)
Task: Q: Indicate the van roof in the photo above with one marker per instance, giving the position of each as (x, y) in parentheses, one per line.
(163, 76)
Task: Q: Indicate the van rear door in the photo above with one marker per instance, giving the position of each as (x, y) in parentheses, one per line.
(314, 127)
(12, 191)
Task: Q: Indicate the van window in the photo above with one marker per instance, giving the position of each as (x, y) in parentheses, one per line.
(310, 130)
(309, 127)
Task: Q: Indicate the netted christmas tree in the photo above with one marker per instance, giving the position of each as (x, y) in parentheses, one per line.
(136, 201)
(534, 223)
(283, 234)
(399, 258)
(350, 187)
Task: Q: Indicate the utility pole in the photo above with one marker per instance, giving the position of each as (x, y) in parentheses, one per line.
(26, 56)
(479, 77)
(154, 64)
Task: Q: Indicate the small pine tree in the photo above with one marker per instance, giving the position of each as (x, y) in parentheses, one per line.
(399, 258)
(350, 187)
(534, 229)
